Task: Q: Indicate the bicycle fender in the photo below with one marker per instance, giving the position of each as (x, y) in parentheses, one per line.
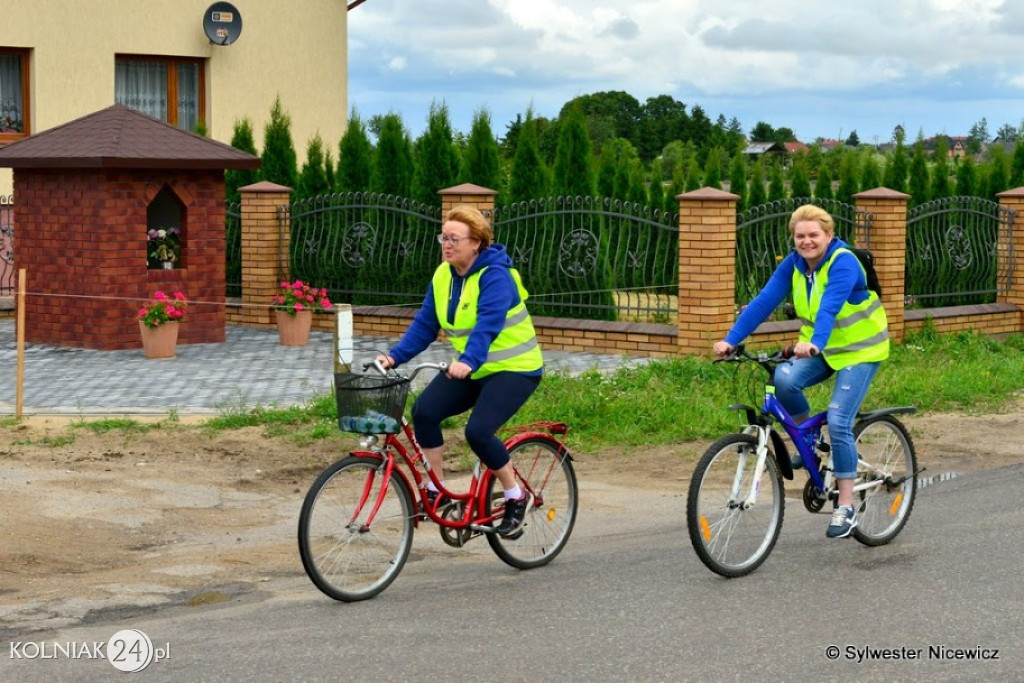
(782, 455)
(523, 436)
(872, 414)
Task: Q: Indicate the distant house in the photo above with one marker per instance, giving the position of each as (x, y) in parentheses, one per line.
(956, 145)
(795, 147)
(826, 144)
(759, 149)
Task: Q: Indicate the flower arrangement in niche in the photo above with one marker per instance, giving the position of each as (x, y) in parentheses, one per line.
(297, 296)
(163, 245)
(163, 309)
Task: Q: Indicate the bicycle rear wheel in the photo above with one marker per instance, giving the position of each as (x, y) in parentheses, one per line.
(545, 470)
(730, 540)
(348, 556)
(886, 454)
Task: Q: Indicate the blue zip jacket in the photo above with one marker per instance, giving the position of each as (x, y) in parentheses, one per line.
(846, 282)
(498, 293)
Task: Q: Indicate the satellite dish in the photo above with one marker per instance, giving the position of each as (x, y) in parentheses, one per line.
(222, 23)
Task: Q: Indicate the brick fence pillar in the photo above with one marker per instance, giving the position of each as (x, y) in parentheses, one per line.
(265, 241)
(707, 268)
(888, 209)
(467, 193)
(1014, 200)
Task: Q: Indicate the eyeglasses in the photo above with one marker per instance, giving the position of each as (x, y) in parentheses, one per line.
(450, 239)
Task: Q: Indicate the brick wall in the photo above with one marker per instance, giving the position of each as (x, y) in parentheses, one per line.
(84, 249)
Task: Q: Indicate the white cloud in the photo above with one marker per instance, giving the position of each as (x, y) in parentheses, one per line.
(811, 66)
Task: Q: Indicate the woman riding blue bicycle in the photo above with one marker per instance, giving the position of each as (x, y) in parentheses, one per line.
(843, 331)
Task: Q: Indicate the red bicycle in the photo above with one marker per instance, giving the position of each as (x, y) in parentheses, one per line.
(357, 521)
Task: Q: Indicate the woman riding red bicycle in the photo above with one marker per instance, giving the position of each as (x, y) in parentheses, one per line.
(477, 298)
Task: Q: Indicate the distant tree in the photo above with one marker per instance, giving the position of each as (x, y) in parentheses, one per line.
(977, 137)
(783, 135)
(713, 169)
(823, 187)
(738, 179)
(241, 138)
(700, 133)
(998, 178)
(762, 132)
(617, 159)
(529, 177)
(1007, 133)
(393, 162)
(776, 183)
(656, 188)
(355, 158)
(636, 193)
(1017, 166)
(662, 120)
(574, 166)
(799, 179)
(919, 187)
(437, 161)
(606, 115)
(852, 140)
(870, 174)
(480, 160)
(278, 158)
(849, 175)
(312, 179)
(896, 167)
(941, 186)
(966, 177)
(692, 181)
(758, 193)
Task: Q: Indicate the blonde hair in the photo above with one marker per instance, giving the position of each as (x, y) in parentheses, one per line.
(479, 226)
(810, 212)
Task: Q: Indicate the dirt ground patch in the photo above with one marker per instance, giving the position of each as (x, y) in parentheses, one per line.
(137, 519)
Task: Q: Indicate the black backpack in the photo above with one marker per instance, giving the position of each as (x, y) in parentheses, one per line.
(867, 259)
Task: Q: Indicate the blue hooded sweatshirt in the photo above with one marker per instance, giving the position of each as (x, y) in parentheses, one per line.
(498, 293)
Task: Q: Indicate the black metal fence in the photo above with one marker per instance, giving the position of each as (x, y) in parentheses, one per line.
(8, 281)
(233, 250)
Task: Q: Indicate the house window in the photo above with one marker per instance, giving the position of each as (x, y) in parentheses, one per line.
(14, 109)
(171, 89)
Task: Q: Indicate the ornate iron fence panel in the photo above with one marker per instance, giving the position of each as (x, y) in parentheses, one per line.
(763, 240)
(365, 248)
(8, 282)
(233, 250)
(959, 251)
(595, 258)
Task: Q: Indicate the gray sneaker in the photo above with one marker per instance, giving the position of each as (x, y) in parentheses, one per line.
(515, 513)
(844, 519)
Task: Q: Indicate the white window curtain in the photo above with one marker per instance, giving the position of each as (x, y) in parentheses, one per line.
(11, 117)
(142, 86)
(188, 96)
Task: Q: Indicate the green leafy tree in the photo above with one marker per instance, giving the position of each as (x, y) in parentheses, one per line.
(941, 186)
(977, 137)
(574, 167)
(920, 184)
(279, 163)
(437, 162)
(480, 161)
(853, 140)
(762, 132)
(355, 158)
(529, 177)
(392, 168)
(241, 138)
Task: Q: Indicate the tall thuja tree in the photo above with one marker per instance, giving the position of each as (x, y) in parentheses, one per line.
(738, 179)
(329, 169)
(355, 158)
(919, 186)
(895, 177)
(758, 193)
(656, 190)
(391, 176)
(528, 181)
(437, 161)
(849, 174)
(967, 178)
(693, 175)
(314, 262)
(480, 164)
(1017, 165)
(776, 184)
(312, 179)
(529, 178)
(799, 179)
(607, 164)
(871, 174)
(941, 186)
(392, 167)
(713, 169)
(823, 186)
(998, 176)
(637, 191)
(589, 280)
(241, 138)
(279, 163)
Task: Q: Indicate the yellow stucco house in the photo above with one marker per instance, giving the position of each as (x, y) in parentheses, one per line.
(61, 60)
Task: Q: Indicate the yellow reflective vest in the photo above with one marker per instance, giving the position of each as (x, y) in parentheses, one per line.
(860, 333)
(515, 349)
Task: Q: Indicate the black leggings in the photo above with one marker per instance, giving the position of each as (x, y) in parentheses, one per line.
(494, 399)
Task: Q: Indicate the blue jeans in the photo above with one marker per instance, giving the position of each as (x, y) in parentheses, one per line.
(852, 384)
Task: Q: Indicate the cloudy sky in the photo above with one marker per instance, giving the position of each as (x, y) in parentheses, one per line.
(820, 67)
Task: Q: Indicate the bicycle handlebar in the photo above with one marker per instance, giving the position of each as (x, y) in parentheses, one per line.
(768, 360)
(441, 367)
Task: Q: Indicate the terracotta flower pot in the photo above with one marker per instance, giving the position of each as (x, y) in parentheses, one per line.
(160, 341)
(294, 329)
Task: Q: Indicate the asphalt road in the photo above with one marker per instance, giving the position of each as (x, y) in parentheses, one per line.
(628, 601)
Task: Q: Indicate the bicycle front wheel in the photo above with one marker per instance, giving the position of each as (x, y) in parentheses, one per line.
(886, 457)
(347, 554)
(544, 469)
(731, 537)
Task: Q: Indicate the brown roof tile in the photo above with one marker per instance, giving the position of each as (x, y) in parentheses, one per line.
(119, 137)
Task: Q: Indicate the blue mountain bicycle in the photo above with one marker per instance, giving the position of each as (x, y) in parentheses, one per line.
(736, 499)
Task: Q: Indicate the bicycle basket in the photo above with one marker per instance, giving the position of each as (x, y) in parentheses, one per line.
(369, 404)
